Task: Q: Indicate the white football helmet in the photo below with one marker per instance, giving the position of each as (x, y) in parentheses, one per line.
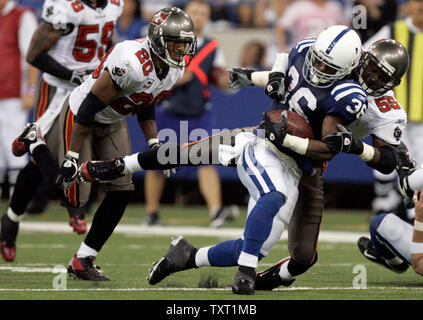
(334, 54)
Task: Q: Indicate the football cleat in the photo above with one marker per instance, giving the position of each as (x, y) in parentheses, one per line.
(31, 134)
(224, 215)
(77, 219)
(101, 171)
(84, 269)
(8, 235)
(176, 259)
(269, 279)
(368, 250)
(244, 281)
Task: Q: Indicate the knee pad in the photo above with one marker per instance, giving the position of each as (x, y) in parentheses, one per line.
(272, 202)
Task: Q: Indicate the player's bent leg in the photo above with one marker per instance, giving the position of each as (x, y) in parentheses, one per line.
(389, 243)
(27, 181)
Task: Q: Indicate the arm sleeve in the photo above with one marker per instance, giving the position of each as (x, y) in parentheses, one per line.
(349, 104)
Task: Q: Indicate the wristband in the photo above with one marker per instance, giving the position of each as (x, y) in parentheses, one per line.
(297, 144)
(368, 152)
(418, 225)
(73, 154)
(260, 78)
(153, 141)
(416, 247)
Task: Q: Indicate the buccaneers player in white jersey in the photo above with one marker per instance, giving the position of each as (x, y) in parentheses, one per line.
(131, 78)
(69, 44)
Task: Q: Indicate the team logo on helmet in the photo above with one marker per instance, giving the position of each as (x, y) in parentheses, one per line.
(160, 17)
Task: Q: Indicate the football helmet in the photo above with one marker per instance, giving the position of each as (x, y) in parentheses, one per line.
(382, 66)
(172, 25)
(334, 54)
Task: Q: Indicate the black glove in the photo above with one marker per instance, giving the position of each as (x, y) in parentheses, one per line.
(275, 88)
(343, 141)
(79, 76)
(240, 77)
(67, 172)
(274, 131)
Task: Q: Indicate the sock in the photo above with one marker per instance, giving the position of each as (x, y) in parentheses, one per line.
(284, 272)
(162, 158)
(26, 184)
(296, 268)
(107, 218)
(260, 220)
(85, 251)
(34, 145)
(224, 254)
(131, 164)
(201, 257)
(247, 260)
(13, 216)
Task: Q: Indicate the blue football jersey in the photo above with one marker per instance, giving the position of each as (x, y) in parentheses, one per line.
(345, 98)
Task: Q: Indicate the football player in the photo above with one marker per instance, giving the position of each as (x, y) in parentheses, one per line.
(318, 91)
(68, 44)
(394, 243)
(130, 79)
(378, 73)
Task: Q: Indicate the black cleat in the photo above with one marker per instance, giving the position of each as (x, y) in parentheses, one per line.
(84, 269)
(31, 134)
(176, 259)
(244, 281)
(8, 235)
(369, 251)
(77, 219)
(152, 220)
(269, 279)
(101, 171)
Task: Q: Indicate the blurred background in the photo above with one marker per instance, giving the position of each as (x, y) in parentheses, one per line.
(249, 34)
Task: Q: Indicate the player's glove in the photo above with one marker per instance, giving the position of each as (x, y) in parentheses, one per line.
(67, 172)
(343, 141)
(274, 131)
(79, 76)
(275, 88)
(240, 77)
(167, 172)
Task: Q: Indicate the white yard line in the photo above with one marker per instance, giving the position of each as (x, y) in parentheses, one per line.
(138, 230)
(206, 289)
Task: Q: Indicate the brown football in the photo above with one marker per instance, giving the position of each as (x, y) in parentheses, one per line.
(296, 125)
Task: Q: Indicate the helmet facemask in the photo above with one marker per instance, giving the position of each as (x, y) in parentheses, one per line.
(319, 72)
(164, 47)
(374, 76)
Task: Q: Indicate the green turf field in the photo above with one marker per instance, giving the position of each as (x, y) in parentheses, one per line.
(126, 259)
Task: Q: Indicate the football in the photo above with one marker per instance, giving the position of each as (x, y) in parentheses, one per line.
(296, 125)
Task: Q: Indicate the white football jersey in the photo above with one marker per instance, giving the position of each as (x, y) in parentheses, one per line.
(87, 31)
(132, 69)
(384, 118)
